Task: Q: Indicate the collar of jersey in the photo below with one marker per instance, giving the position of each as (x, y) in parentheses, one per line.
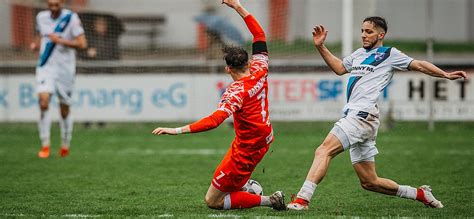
(246, 77)
(60, 13)
(368, 50)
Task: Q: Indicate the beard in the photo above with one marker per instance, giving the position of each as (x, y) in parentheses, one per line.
(372, 45)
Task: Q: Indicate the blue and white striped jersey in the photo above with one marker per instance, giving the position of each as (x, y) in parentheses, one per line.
(67, 26)
(370, 72)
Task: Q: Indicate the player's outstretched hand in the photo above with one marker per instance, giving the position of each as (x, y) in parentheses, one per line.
(164, 131)
(456, 75)
(231, 3)
(319, 35)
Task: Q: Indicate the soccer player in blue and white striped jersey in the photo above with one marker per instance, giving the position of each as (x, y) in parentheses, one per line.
(60, 34)
(371, 69)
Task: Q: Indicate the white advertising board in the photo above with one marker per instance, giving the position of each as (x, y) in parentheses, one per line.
(186, 97)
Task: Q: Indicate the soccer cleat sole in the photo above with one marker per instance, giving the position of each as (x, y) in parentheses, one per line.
(297, 207)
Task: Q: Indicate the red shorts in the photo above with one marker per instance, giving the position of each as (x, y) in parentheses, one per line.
(236, 168)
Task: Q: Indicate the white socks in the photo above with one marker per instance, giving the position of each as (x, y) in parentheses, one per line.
(66, 130)
(44, 127)
(265, 201)
(307, 190)
(406, 192)
(227, 202)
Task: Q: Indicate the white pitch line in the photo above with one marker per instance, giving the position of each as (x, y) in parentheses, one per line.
(223, 216)
(394, 151)
(15, 215)
(455, 152)
(192, 152)
(211, 151)
(66, 215)
(202, 151)
(80, 215)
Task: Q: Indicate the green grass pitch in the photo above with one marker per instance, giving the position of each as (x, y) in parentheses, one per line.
(123, 170)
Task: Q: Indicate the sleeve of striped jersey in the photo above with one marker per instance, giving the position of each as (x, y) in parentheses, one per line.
(347, 61)
(209, 122)
(400, 61)
(37, 25)
(40, 25)
(76, 25)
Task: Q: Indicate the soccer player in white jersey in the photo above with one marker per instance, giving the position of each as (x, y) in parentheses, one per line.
(60, 34)
(371, 69)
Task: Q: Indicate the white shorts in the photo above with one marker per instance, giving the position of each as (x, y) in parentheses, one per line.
(55, 81)
(357, 132)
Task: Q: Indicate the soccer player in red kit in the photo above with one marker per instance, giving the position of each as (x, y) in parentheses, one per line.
(245, 99)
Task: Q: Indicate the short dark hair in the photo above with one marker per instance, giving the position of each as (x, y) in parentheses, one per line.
(235, 57)
(378, 22)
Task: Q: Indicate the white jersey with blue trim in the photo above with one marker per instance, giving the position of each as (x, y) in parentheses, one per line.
(370, 72)
(55, 56)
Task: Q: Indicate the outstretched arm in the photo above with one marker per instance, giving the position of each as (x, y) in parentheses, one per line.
(210, 122)
(319, 35)
(259, 45)
(231, 101)
(432, 70)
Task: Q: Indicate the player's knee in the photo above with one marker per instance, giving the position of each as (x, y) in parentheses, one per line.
(64, 113)
(44, 105)
(213, 203)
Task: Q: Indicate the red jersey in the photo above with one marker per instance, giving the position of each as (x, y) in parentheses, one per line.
(246, 99)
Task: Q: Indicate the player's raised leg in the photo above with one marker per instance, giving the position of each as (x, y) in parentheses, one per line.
(44, 124)
(370, 181)
(217, 199)
(330, 148)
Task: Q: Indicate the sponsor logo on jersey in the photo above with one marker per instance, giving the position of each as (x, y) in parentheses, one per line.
(379, 56)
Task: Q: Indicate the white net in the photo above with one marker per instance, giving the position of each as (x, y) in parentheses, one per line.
(155, 30)
(147, 34)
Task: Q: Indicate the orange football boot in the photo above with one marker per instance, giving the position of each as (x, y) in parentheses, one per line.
(44, 152)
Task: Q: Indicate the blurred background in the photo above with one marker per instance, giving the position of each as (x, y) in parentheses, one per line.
(148, 56)
(158, 63)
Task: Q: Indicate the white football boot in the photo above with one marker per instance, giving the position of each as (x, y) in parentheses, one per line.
(298, 204)
(425, 195)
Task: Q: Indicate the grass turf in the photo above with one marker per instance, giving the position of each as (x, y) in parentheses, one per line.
(123, 170)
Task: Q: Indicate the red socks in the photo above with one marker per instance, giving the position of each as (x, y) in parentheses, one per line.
(244, 200)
